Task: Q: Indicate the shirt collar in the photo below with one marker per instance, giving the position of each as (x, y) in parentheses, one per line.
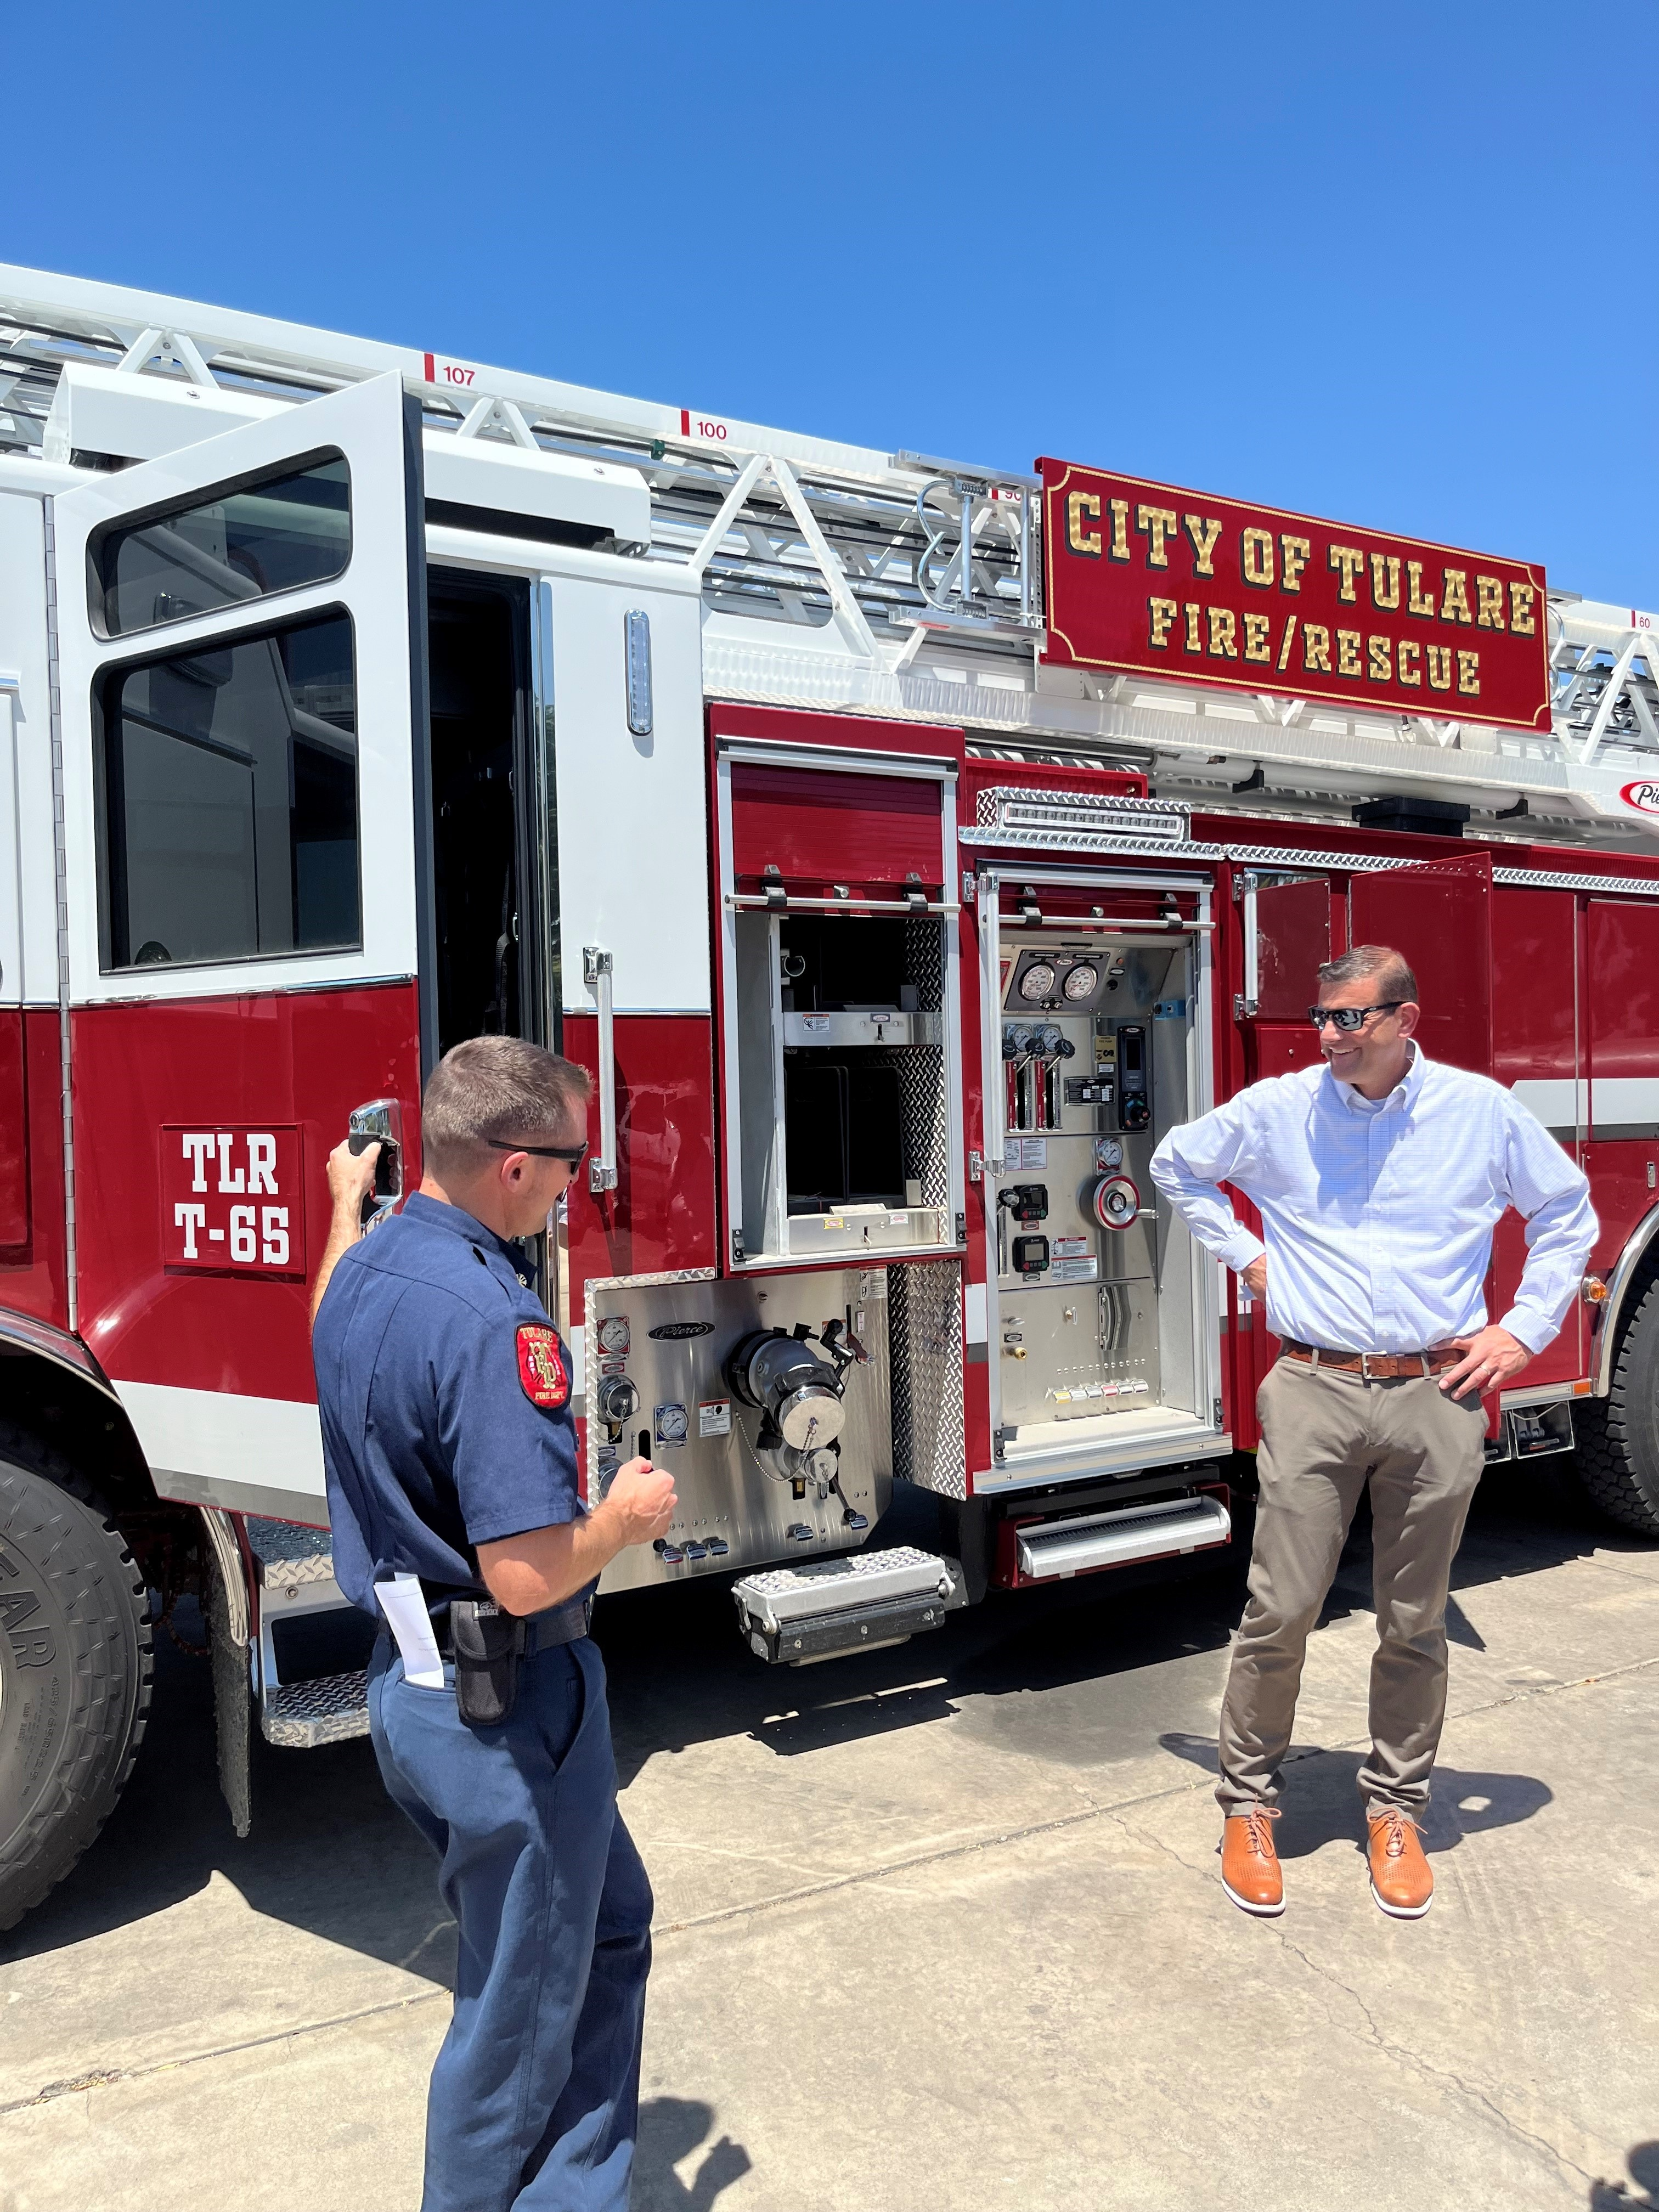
(438, 1213)
(1404, 1093)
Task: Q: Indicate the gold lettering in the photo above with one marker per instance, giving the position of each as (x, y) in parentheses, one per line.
(1468, 672)
(1352, 562)
(1415, 602)
(1118, 548)
(1385, 582)
(1410, 671)
(1347, 653)
(1293, 555)
(1161, 614)
(1193, 642)
(1379, 659)
(1288, 640)
(1222, 630)
(1315, 648)
(1257, 548)
(1488, 592)
(1455, 596)
(1078, 504)
(1158, 525)
(1203, 530)
(1440, 667)
(1258, 641)
(1520, 599)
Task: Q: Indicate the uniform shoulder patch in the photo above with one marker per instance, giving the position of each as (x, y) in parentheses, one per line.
(541, 1369)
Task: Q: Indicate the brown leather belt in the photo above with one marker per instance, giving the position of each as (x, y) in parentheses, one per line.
(1375, 1366)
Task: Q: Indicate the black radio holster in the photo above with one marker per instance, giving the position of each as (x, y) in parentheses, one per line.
(488, 1653)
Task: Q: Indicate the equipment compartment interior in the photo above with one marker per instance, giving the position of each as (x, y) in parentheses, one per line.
(841, 1083)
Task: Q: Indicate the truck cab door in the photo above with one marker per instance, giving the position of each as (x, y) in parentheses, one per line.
(242, 640)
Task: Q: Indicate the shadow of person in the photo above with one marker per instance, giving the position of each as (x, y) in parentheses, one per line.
(1643, 2159)
(1321, 1801)
(671, 2129)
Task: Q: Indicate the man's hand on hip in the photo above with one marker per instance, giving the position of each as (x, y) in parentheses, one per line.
(1255, 1276)
(1489, 1360)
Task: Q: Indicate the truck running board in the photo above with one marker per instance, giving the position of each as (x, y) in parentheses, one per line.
(1052, 1549)
(296, 1570)
(794, 1615)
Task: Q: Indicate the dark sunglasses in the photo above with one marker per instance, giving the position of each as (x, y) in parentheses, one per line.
(574, 1154)
(1349, 1017)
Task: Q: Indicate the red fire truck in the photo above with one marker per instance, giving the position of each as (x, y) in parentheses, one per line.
(903, 845)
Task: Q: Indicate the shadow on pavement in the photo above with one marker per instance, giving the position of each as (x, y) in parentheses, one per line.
(671, 2129)
(1320, 1802)
(1082, 1674)
(1642, 2160)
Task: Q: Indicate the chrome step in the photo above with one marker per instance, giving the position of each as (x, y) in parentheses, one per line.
(1050, 1549)
(824, 1608)
(302, 1715)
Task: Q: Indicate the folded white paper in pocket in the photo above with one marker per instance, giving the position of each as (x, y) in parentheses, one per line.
(404, 1604)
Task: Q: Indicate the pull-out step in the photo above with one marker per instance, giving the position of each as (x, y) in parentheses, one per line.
(305, 1624)
(827, 1607)
(1050, 1549)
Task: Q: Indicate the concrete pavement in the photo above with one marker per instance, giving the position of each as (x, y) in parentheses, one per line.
(938, 1925)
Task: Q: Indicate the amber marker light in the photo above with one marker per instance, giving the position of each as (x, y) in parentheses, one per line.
(1593, 1291)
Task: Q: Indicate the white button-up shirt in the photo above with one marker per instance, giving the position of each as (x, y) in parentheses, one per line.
(1378, 1214)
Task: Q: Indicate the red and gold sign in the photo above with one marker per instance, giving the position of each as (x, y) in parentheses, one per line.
(1149, 580)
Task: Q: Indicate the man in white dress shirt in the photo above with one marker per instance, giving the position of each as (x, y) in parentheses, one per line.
(1379, 1178)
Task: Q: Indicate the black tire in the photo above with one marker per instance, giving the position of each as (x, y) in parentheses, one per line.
(1618, 1436)
(75, 1669)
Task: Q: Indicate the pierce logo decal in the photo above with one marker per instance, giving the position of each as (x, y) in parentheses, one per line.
(541, 1368)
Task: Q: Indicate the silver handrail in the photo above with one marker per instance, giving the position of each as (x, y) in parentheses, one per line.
(597, 967)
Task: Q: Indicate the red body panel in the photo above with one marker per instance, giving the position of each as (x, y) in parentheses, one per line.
(14, 1134)
(304, 1059)
(34, 1273)
(661, 1216)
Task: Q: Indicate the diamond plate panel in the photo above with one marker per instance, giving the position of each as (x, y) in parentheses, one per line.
(925, 1345)
(328, 1711)
(287, 1553)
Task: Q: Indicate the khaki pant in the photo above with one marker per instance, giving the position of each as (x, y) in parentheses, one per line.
(1324, 1435)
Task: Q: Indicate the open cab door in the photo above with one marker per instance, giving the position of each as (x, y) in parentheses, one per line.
(241, 633)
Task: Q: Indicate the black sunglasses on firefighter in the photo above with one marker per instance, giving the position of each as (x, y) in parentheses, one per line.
(574, 1154)
(1349, 1017)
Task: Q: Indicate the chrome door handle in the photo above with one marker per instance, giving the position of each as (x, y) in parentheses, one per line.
(381, 1122)
(596, 975)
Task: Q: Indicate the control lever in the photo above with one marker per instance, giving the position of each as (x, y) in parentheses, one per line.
(381, 1122)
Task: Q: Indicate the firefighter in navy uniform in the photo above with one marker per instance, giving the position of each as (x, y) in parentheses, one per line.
(450, 1454)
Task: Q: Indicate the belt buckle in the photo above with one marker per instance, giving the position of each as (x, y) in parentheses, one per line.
(1366, 1375)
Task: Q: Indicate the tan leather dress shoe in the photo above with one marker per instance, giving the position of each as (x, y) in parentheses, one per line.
(1400, 1880)
(1249, 1864)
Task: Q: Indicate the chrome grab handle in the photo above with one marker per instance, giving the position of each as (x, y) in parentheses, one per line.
(596, 975)
(993, 1079)
(381, 1122)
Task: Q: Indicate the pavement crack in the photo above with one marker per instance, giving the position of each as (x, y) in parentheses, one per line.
(103, 2077)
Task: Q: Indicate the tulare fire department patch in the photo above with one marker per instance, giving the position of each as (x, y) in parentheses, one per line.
(541, 1369)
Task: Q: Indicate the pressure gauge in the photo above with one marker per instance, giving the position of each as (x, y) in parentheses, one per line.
(1048, 1038)
(1109, 1153)
(614, 1334)
(672, 1424)
(1037, 981)
(1080, 984)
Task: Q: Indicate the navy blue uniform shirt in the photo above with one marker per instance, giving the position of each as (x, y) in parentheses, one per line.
(445, 1397)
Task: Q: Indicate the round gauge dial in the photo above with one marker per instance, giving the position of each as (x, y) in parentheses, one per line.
(1109, 1153)
(1081, 982)
(1037, 981)
(613, 1333)
(672, 1424)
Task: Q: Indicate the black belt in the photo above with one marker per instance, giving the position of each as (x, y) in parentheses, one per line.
(560, 1624)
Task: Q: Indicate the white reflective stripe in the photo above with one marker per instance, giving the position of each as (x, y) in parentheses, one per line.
(261, 1443)
(1558, 1101)
(1624, 1099)
(978, 1329)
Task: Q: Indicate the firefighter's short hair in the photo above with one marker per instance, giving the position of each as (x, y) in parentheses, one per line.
(495, 1087)
(1394, 979)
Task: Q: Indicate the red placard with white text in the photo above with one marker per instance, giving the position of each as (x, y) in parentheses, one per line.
(1152, 580)
(231, 1200)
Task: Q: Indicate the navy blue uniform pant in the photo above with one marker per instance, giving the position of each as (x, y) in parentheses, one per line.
(535, 2094)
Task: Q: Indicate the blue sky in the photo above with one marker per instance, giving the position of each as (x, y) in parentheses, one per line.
(1394, 265)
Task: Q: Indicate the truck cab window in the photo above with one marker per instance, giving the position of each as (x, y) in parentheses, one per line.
(270, 536)
(228, 814)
